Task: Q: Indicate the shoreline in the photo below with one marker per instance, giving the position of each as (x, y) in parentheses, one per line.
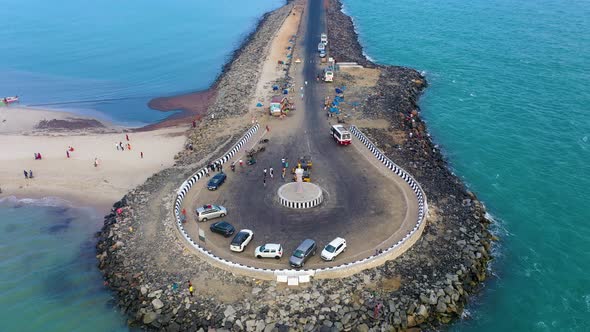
(194, 105)
(425, 287)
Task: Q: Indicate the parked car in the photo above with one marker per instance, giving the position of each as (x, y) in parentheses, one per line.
(241, 240)
(209, 211)
(306, 249)
(269, 250)
(222, 227)
(333, 249)
(216, 181)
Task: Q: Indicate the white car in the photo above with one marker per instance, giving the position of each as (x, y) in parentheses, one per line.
(269, 250)
(209, 211)
(241, 240)
(333, 249)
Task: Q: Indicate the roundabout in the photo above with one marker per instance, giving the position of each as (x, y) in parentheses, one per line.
(352, 192)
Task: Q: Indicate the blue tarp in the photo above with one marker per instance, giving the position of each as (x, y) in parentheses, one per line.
(285, 92)
(334, 110)
(259, 105)
(275, 87)
(335, 102)
(338, 90)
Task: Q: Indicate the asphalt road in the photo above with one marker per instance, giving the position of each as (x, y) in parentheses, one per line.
(361, 204)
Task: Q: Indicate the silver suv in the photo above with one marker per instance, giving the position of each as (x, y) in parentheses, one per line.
(305, 250)
(209, 211)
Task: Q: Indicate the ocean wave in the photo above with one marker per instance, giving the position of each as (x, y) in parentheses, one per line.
(44, 201)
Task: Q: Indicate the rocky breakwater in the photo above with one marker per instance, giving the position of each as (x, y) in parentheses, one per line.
(148, 266)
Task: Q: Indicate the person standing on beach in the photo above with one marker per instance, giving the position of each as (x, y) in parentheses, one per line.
(68, 153)
(95, 162)
(30, 174)
(141, 153)
(26, 174)
(121, 146)
(117, 146)
(127, 137)
(128, 146)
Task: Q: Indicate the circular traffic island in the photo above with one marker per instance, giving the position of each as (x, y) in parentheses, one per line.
(300, 195)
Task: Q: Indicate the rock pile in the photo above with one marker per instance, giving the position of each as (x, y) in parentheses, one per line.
(146, 264)
(237, 83)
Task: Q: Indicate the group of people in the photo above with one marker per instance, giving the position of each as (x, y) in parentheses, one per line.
(28, 175)
(270, 171)
(215, 167)
(38, 156)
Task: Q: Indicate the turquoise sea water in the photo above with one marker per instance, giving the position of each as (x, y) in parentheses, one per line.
(80, 50)
(48, 275)
(508, 101)
(118, 54)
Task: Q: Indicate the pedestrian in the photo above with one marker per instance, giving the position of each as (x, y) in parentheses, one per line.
(271, 172)
(265, 173)
(194, 124)
(30, 174)
(302, 96)
(264, 181)
(220, 167)
(141, 153)
(117, 146)
(26, 174)
(301, 89)
(95, 162)
(191, 290)
(286, 162)
(128, 146)
(127, 137)
(267, 129)
(305, 82)
(283, 162)
(121, 146)
(68, 153)
(283, 172)
(241, 163)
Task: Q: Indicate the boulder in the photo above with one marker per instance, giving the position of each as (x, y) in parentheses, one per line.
(229, 311)
(157, 304)
(149, 317)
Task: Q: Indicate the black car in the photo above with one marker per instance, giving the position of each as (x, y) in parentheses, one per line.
(222, 227)
(216, 181)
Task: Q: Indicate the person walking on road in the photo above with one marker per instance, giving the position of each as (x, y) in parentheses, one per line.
(283, 172)
(191, 290)
(271, 172)
(264, 180)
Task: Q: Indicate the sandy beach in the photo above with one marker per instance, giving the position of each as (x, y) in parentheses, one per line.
(76, 178)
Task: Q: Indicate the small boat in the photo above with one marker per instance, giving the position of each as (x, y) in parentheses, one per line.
(10, 100)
